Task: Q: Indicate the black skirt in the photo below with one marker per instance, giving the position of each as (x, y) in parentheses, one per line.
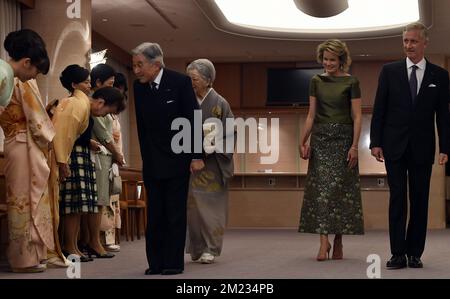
(78, 193)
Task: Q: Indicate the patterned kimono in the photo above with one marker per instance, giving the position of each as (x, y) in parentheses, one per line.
(6, 83)
(28, 132)
(113, 213)
(71, 119)
(207, 205)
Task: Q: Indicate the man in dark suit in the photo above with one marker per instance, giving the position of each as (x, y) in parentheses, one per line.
(411, 93)
(161, 96)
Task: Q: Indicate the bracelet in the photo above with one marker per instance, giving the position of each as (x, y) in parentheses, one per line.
(354, 148)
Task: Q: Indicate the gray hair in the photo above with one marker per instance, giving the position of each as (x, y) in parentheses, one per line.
(417, 26)
(205, 68)
(151, 51)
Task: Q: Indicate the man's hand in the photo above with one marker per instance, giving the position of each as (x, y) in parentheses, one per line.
(377, 152)
(443, 158)
(197, 165)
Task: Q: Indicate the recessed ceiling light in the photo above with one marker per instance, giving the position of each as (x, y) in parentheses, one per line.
(283, 15)
(104, 20)
(283, 19)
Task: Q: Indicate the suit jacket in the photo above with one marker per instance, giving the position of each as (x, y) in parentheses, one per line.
(155, 111)
(397, 122)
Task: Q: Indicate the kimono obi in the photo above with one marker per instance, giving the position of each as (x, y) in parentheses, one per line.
(13, 120)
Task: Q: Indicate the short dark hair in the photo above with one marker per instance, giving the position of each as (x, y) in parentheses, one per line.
(121, 81)
(101, 72)
(73, 74)
(27, 43)
(112, 97)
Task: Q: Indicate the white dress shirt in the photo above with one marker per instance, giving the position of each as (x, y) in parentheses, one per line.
(158, 79)
(420, 71)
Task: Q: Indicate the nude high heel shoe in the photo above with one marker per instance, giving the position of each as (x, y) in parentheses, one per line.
(324, 253)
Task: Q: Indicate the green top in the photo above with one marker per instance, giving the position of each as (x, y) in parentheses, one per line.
(103, 129)
(6, 83)
(334, 95)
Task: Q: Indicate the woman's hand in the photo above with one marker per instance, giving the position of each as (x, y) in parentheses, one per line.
(64, 171)
(118, 158)
(197, 165)
(305, 151)
(352, 157)
(94, 145)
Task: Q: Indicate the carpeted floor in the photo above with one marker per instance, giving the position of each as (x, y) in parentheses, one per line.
(270, 254)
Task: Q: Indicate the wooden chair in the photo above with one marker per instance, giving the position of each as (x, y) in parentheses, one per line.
(133, 193)
(124, 211)
(137, 204)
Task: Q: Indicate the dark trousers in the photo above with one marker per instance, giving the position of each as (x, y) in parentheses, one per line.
(410, 241)
(166, 222)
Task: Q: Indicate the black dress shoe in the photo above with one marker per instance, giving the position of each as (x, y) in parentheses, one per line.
(396, 262)
(94, 254)
(171, 271)
(83, 258)
(414, 262)
(152, 272)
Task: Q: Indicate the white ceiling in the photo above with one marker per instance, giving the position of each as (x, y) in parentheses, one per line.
(194, 36)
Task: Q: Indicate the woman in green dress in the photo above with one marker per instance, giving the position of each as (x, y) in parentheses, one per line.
(332, 200)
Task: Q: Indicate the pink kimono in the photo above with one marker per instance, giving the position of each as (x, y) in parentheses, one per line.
(28, 132)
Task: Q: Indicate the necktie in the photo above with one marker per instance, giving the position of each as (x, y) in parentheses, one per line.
(413, 83)
(153, 86)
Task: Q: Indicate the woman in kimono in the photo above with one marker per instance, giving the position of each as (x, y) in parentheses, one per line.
(28, 58)
(120, 82)
(208, 190)
(28, 133)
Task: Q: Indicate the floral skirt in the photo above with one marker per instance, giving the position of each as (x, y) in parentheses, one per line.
(332, 201)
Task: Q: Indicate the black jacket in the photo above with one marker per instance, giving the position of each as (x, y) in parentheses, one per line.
(155, 111)
(397, 122)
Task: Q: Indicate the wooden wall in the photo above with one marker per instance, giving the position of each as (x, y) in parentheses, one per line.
(244, 85)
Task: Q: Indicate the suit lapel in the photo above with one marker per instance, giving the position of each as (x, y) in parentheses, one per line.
(427, 79)
(163, 85)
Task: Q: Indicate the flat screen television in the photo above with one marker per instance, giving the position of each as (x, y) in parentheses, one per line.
(289, 86)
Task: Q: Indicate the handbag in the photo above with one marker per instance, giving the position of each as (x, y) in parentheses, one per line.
(115, 180)
(107, 219)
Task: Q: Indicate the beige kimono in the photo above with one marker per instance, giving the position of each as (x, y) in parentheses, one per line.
(28, 132)
(71, 119)
(114, 213)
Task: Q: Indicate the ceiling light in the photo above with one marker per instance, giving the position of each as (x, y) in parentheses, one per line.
(322, 9)
(282, 15)
(97, 58)
(283, 18)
